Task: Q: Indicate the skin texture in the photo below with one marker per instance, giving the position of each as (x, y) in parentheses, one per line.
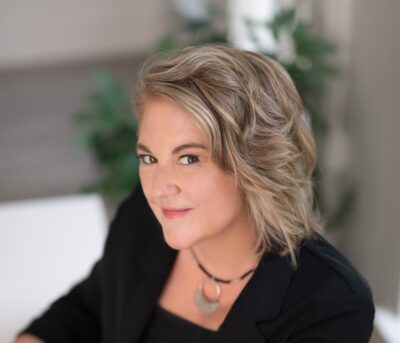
(217, 226)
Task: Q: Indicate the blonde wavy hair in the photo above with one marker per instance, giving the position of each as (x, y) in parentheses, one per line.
(252, 114)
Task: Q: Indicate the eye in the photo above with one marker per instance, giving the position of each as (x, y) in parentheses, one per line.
(146, 159)
(191, 158)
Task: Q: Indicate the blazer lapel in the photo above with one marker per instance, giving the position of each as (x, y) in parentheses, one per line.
(141, 294)
(260, 300)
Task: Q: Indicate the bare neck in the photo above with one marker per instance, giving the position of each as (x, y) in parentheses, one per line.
(229, 254)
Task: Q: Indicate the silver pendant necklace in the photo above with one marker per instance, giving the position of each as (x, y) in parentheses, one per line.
(205, 304)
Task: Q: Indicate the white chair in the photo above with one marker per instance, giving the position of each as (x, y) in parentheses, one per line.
(46, 246)
(388, 325)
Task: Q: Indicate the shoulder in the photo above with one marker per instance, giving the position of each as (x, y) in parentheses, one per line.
(328, 272)
(326, 285)
(326, 297)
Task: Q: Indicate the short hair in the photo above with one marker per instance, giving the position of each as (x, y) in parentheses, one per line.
(253, 117)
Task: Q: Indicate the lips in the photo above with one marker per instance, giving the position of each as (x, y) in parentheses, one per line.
(175, 213)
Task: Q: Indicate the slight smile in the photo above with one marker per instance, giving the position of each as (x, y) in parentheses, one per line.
(175, 213)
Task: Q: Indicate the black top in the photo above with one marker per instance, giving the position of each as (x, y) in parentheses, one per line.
(166, 327)
(325, 300)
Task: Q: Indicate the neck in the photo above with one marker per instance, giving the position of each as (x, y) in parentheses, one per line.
(230, 253)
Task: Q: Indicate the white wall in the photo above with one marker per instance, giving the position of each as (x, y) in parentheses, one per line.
(40, 32)
(46, 246)
(365, 99)
(375, 122)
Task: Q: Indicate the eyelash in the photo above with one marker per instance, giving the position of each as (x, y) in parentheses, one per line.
(142, 156)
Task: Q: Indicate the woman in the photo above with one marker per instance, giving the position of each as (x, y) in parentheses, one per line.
(221, 242)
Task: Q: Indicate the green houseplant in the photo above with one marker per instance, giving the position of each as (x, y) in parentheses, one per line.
(109, 133)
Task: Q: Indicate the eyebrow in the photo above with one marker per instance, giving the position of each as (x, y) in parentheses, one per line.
(177, 150)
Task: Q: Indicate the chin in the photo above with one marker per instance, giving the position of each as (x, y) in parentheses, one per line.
(177, 241)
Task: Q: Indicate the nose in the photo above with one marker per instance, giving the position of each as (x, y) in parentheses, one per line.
(164, 183)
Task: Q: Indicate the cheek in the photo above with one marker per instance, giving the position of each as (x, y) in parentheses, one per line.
(212, 193)
(146, 181)
(144, 178)
(143, 181)
(217, 198)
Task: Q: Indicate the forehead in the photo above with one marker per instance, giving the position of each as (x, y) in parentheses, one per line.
(163, 119)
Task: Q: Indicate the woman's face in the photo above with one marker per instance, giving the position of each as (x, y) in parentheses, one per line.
(176, 172)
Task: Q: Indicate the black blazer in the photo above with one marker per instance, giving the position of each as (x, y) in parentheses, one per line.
(325, 300)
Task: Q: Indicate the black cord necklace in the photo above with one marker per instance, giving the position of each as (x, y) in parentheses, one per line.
(205, 304)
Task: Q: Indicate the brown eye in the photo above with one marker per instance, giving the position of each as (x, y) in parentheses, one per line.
(190, 159)
(146, 159)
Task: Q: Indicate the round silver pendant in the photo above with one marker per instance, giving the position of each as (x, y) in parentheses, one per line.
(205, 304)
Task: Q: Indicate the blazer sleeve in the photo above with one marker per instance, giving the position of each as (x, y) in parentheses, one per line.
(73, 317)
(76, 316)
(347, 319)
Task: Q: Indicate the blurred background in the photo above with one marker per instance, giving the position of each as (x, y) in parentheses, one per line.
(68, 68)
